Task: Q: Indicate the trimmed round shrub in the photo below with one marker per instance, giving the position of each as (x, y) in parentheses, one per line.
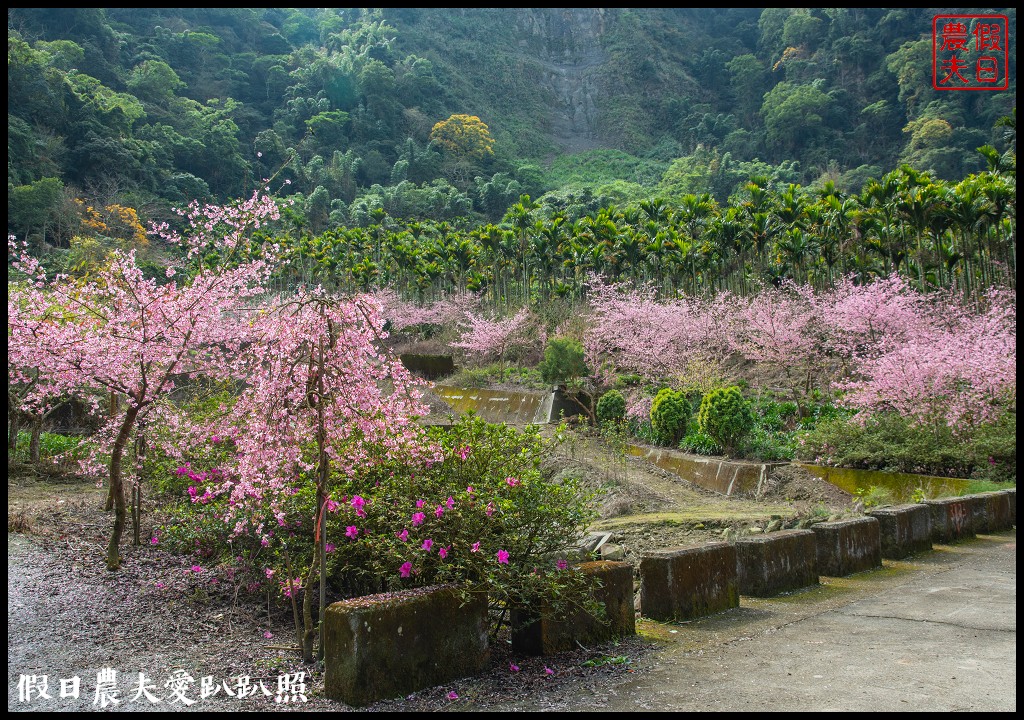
(611, 408)
(670, 414)
(725, 417)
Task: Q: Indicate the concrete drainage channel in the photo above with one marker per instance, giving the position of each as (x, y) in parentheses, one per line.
(386, 646)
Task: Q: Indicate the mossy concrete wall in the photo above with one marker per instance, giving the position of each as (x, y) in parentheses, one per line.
(688, 582)
(848, 546)
(1000, 510)
(742, 479)
(499, 406)
(778, 562)
(535, 634)
(389, 645)
(952, 519)
(979, 507)
(904, 530)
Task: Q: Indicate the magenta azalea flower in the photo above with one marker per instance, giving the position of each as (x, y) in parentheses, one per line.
(420, 503)
(464, 452)
(450, 502)
(475, 548)
(512, 482)
(503, 557)
(427, 544)
(548, 671)
(357, 505)
(443, 552)
(197, 569)
(490, 509)
(154, 540)
(417, 519)
(512, 667)
(439, 512)
(452, 695)
(469, 489)
(352, 532)
(404, 535)
(330, 547)
(561, 564)
(332, 506)
(406, 569)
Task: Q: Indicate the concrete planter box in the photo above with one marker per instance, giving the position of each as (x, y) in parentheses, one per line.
(689, 582)
(952, 519)
(778, 562)
(541, 636)
(389, 645)
(979, 507)
(848, 546)
(1000, 512)
(904, 530)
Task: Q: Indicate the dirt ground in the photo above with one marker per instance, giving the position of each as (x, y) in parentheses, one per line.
(68, 616)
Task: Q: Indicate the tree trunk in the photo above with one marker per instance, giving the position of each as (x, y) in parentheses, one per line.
(33, 445)
(117, 489)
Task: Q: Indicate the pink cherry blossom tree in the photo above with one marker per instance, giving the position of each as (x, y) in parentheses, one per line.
(323, 404)
(487, 338)
(130, 336)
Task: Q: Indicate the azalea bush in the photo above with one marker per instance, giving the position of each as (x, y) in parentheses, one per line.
(483, 517)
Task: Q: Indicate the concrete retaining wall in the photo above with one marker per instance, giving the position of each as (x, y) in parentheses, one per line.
(848, 546)
(389, 645)
(904, 530)
(541, 636)
(778, 562)
(742, 479)
(1000, 510)
(690, 582)
(952, 519)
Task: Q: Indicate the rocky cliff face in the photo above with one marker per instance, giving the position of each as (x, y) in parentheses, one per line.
(566, 42)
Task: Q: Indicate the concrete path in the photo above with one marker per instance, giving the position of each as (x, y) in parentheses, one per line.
(934, 633)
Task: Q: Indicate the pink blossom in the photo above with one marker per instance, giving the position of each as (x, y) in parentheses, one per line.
(417, 519)
(154, 540)
(330, 547)
(475, 548)
(464, 452)
(469, 490)
(352, 532)
(268, 634)
(197, 569)
(420, 503)
(405, 570)
(427, 544)
(503, 557)
(332, 506)
(561, 564)
(490, 509)
(548, 671)
(439, 512)
(512, 482)
(512, 667)
(357, 505)
(443, 552)
(404, 535)
(269, 573)
(450, 502)
(452, 695)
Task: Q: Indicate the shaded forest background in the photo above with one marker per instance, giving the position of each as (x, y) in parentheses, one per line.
(148, 107)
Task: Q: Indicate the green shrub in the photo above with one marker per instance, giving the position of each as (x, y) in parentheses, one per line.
(725, 416)
(887, 441)
(670, 414)
(698, 443)
(563, 361)
(611, 408)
